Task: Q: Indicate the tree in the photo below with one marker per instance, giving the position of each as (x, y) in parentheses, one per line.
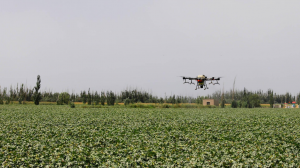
(21, 94)
(234, 104)
(63, 98)
(271, 100)
(223, 99)
(298, 99)
(1, 98)
(37, 95)
(111, 98)
(83, 96)
(89, 97)
(254, 101)
(96, 98)
(102, 98)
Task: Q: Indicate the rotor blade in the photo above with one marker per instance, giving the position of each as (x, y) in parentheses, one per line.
(189, 78)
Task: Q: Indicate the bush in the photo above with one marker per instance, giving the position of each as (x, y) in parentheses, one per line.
(166, 106)
(244, 104)
(254, 101)
(7, 100)
(72, 105)
(127, 102)
(234, 104)
(63, 98)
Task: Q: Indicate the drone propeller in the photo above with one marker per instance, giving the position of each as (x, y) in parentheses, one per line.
(218, 78)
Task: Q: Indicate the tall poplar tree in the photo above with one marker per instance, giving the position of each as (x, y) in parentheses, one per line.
(37, 95)
(271, 100)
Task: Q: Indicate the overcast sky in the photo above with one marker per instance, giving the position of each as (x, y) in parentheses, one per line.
(111, 45)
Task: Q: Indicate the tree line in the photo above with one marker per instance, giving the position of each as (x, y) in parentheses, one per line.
(237, 98)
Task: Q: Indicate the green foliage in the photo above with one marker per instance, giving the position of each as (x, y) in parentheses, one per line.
(298, 99)
(21, 94)
(166, 106)
(102, 98)
(223, 103)
(199, 100)
(271, 100)
(8, 100)
(129, 137)
(254, 101)
(63, 98)
(37, 95)
(140, 105)
(1, 97)
(89, 98)
(95, 106)
(83, 96)
(245, 104)
(127, 102)
(96, 98)
(72, 105)
(111, 98)
(234, 104)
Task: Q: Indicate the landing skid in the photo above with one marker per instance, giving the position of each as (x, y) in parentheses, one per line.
(214, 83)
(199, 86)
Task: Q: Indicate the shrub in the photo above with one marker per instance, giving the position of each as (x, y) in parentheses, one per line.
(63, 98)
(7, 100)
(244, 104)
(127, 102)
(234, 104)
(72, 105)
(165, 106)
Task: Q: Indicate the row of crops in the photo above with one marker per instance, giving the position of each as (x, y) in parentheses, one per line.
(32, 136)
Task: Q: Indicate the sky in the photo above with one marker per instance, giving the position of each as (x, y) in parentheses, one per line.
(115, 45)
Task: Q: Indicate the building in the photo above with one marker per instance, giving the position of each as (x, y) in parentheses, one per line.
(210, 102)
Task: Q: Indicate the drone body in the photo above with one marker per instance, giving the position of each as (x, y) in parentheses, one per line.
(201, 81)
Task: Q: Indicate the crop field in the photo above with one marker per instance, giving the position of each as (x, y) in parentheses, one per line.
(59, 136)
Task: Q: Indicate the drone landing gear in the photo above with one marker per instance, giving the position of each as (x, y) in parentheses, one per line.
(217, 83)
(201, 86)
(205, 87)
(188, 82)
(214, 83)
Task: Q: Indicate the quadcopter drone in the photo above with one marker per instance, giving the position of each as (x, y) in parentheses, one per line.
(201, 81)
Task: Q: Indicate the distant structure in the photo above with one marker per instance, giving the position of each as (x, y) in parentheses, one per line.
(210, 102)
(276, 106)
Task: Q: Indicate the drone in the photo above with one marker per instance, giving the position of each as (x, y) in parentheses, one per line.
(201, 81)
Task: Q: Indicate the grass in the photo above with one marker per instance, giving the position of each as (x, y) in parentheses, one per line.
(60, 136)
